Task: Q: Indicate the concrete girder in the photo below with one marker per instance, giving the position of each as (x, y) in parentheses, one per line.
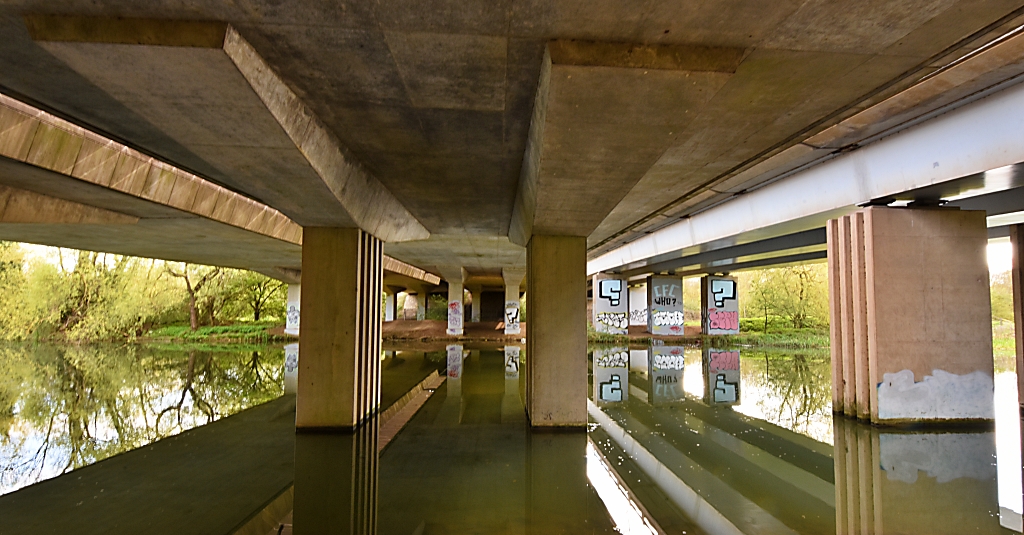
(247, 122)
(604, 113)
(959, 82)
(975, 139)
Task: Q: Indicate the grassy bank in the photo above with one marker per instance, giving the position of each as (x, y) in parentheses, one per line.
(242, 333)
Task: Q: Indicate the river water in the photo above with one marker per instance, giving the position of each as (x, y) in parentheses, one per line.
(680, 440)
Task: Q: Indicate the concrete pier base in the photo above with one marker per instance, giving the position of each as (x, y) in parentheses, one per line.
(339, 361)
(914, 315)
(556, 351)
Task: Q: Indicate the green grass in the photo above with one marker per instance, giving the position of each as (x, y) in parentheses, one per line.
(243, 332)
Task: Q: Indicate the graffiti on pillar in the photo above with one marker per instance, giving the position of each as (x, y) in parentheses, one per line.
(512, 361)
(612, 322)
(611, 305)
(665, 304)
(611, 289)
(722, 377)
(611, 372)
(666, 374)
(511, 317)
(722, 315)
(455, 317)
(292, 317)
(638, 305)
(454, 352)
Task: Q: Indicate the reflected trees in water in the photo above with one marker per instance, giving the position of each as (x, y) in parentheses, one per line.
(793, 389)
(63, 407)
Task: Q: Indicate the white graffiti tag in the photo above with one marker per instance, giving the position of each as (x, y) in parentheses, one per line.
(668, 318)
(617, 320)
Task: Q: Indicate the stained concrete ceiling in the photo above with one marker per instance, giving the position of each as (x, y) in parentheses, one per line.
(436, 100)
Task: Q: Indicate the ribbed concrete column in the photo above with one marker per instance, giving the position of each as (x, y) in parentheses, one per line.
(556, 355)
(914, 315)
(513, 280)
(339, 362)
(1017, 272)
(292, 318)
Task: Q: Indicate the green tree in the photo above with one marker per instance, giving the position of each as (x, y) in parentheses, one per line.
(195, 278)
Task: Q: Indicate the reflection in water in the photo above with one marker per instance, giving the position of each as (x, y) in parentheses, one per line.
(63, 407)
(336, 478)
(680, 441)
(763, 463)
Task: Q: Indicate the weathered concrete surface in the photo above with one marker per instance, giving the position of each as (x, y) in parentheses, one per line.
(556, 335)
(220, 99)
(339, 344)
(1017, 274)
(241, 463)
(928, 315)
(437, 100)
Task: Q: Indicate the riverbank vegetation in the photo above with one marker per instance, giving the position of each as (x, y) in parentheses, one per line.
(87, 296)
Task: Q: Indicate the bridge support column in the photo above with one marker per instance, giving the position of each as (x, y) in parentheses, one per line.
(456, 318)
(293, 312)
(513, 280)
(476, 296)
(719, 305)
(1017, 273)
(389, 305)
(339, 364)
(919, 343)
(421, 303)
(556, 339)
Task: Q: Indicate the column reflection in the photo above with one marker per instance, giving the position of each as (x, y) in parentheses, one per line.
(898, 481)
(336, 482)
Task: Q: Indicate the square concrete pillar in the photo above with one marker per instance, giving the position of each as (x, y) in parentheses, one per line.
(476, 296)
(719, 305)
(929, 317)
(455, 276)
(389, 306)
(339, 364)
(611, 304)
(664, 298)
(556, 354)
(638, 305)
(513, 280)
(421, 305)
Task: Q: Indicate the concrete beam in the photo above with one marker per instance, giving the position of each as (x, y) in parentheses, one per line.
(185, 58)
(603, 114)
(972, 139)
(20, 206)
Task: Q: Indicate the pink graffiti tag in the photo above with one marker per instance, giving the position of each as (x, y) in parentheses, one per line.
(725, 360)
(726, 321)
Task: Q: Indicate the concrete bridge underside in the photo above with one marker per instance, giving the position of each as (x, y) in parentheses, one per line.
(481, 141)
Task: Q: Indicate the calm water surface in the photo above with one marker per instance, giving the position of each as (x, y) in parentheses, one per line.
(681, 441)
(63, 406)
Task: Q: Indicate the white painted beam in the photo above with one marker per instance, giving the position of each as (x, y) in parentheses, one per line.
(978, 137)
